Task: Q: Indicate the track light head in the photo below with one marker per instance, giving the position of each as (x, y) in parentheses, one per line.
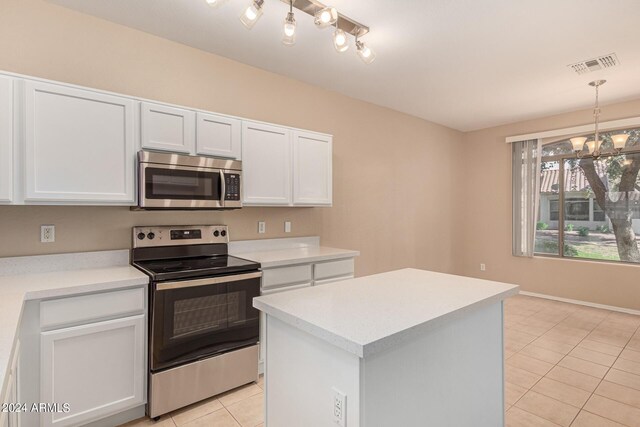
(365, 52)
(289, 30)
(326, 17)
(215, 3)
(340, 41)
(252, 13)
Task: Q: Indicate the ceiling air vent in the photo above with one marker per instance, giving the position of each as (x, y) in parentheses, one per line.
(606, 61)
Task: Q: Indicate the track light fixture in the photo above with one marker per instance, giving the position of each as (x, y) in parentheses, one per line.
(252, 13)
(323, 16)
(289, 28)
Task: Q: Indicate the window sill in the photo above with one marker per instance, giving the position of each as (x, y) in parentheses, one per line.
(592, 260)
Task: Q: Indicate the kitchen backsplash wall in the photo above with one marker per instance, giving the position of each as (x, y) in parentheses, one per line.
(394, 174)
(81, 228)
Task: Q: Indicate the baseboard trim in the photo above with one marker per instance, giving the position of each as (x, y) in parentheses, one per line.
(585, 303)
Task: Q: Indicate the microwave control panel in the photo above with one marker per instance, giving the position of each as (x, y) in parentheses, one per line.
(232, 186)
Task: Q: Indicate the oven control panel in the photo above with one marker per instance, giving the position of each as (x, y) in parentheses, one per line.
(144, 237)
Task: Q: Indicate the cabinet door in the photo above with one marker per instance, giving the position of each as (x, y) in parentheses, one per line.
(312, 169)
(79, 146)
(266, 164)
(218, 136)
(6, 140)
(99, 369)
(167, 128)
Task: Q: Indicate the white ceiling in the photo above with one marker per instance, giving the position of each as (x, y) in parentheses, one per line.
(467, 64)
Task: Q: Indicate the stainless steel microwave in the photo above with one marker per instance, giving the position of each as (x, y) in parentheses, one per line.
(176, 181)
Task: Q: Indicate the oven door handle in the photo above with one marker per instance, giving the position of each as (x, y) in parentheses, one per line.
(209, 281)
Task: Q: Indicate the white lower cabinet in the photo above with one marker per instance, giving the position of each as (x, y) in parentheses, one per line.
(290, 277)
(6, 140)
(79, 146)
(12, 418)
(7, 419)
(98, 369)
(332, 280)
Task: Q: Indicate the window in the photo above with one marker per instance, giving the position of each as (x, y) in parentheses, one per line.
(576, 209)
(554, 210)
(589, 207)
(598, 213)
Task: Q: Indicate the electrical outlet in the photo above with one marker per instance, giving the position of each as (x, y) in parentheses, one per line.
(287, 226)
(483, 267)
(47, 233)
(339, 407)
(262, 227)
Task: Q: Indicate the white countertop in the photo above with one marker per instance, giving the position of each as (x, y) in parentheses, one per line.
(19, 287)
(308, 254)
(369, 314)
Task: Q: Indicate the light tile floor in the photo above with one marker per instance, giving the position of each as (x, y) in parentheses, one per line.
(566, 365)
(570, 365)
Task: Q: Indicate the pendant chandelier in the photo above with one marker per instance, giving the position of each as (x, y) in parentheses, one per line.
(323, 17)
(594, 146)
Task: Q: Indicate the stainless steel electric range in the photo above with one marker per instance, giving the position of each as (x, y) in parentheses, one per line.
(203, 329)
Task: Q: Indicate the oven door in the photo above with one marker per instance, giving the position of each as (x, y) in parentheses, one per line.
(181, 187)
(195, 319)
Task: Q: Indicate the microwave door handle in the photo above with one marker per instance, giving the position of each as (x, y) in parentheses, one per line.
(223, 187)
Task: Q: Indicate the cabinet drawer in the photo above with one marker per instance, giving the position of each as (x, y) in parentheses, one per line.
(332, 280)
(286, 288)
(275, 277)
(89, 308)
(325, 270)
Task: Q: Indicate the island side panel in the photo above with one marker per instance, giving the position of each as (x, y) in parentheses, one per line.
(450, 376)
(301, 372)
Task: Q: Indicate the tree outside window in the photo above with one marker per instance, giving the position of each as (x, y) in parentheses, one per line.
(590, 207)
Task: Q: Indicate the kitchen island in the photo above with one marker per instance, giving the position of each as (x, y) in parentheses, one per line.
(404, 348)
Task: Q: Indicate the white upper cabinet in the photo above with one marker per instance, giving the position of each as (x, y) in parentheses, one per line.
(312, 169)
(218, 136)
(167, 128)
(266, 164)
(6, 140)
(79, 146)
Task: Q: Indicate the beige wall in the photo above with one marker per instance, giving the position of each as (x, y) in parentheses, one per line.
(405, 221)
(484, 219)
(445, 208)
